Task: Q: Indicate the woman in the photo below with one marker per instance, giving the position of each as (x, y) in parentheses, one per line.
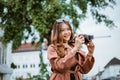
(67, 60)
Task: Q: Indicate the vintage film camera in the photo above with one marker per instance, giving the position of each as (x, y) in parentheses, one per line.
(88, 38)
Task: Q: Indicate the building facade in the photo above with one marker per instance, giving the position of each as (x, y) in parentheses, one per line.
(5, 60)
(111, 71)
(27, 61)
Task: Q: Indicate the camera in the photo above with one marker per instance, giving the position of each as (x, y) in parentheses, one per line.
(88, 38)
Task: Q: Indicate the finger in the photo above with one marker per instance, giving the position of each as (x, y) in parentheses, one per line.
(88, 44)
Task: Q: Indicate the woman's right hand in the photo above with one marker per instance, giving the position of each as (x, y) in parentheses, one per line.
(79, 40)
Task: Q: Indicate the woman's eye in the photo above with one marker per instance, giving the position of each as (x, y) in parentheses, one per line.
(61, 30)
(68, 29)
(65, 30)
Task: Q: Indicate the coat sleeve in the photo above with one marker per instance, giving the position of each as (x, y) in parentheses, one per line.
(85, 63)
(60, 64)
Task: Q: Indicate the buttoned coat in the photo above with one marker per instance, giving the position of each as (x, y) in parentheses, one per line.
(61, 66)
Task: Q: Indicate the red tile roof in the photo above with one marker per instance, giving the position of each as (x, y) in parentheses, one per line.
(27, 47)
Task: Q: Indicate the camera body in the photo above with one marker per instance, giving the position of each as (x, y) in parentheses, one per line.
(88, 38)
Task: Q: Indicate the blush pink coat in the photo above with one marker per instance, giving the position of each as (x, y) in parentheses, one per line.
(61, 66)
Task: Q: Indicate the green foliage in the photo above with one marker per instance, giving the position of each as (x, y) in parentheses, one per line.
(44, 73)
(13, 66)
(16, 16)
(20, 78)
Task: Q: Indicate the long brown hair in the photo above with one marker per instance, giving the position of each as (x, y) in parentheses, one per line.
(56, 37)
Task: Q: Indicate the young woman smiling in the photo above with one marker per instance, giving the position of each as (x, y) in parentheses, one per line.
(67, 59)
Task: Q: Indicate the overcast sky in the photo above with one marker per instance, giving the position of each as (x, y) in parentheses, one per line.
(108, 47)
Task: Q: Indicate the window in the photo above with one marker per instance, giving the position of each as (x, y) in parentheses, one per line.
(18, 66)
(32, 65)
(38, 65)
(2, 55)
(25, 66)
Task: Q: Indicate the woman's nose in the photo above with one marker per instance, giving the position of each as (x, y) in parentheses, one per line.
(66, 31)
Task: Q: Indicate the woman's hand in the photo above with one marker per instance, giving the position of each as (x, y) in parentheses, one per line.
(79, 40)
(90, 47)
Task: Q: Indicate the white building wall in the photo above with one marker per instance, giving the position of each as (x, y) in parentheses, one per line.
(46, 61)
(111, 71)
(27, 62)
(105, 73)
(115, 70)
(8, 59)
(31, 59)
(98, 78)
(6, 54)
(9, 54)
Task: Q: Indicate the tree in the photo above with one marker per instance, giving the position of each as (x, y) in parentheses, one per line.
(44, 73)
(16, 16)
(13, 65)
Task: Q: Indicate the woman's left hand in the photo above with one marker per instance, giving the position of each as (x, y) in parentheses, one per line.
(90, 47)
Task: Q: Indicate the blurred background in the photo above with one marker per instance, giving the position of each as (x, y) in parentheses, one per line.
(25, 27)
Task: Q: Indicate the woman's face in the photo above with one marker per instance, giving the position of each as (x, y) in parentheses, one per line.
(65, 32)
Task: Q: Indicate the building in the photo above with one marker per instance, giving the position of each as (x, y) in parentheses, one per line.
(27, 61)
(111, 71)
(5, 60)
(98, 76)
